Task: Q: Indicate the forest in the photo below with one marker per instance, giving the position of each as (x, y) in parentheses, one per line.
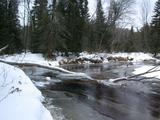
(67, 26)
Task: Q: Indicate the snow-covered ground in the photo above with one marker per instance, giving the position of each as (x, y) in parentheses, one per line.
(39, 59)
(19, 98)
(29, 58)
(136, 56)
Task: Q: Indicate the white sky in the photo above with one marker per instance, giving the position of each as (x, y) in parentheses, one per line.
(135, 18)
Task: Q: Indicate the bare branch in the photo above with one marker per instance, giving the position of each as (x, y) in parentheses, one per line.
(5, 47)
(132, 78)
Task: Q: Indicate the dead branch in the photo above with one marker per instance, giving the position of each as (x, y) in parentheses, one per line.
(3, 48)
(152, 70)
(132, 78)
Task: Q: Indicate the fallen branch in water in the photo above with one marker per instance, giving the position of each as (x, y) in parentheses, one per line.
(37, 65)
(132, 78)
(62, 73)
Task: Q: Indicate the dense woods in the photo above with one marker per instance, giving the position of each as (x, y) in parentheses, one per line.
(67, 26)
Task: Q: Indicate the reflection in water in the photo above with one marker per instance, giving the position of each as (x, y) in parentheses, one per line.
(89, 100)
(113, 103)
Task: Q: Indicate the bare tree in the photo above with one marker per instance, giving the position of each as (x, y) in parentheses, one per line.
(145, 11)
(119, 10)
(145, 17)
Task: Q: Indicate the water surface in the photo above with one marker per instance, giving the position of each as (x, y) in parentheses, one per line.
(90, 100)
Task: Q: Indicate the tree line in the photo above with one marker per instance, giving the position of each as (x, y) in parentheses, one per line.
(67, 26)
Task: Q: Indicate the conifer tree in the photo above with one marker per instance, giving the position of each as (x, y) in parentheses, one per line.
(74, 15)
(9, 26)
(155, 30)
(40, 24)
(101, 32)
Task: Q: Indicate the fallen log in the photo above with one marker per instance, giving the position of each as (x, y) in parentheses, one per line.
(37, 65)
(62, 73)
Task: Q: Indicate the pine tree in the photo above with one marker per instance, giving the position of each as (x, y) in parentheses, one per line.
(74, 14)
(40, 24)
(129, 45)
(3, 23)
(9, 26)
(14, 26)
(155, 30)
(101, 32)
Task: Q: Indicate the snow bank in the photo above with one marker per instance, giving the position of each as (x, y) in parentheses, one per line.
(137, 56)
(19, 98)
(39, 59)
(146, 68)
(29, 58)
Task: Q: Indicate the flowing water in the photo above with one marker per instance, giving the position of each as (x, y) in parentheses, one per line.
(94, 100)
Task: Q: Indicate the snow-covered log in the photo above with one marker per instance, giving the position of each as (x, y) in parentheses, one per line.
(62, 73)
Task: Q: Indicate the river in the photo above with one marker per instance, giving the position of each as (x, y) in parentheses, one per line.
(92, 100)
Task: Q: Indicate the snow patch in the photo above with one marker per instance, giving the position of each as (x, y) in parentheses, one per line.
(137, 56)
(145, 69)
(29, 58)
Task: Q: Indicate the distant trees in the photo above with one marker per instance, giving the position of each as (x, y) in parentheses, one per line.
(9, 26)
(66, 25)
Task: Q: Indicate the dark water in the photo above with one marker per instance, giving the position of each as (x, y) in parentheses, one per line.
(90, 100)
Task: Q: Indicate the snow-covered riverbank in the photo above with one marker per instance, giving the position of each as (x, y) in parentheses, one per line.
(19, 98)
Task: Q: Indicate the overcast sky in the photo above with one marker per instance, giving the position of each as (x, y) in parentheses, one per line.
(135, 18)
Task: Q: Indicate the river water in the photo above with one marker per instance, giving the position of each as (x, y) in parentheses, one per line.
(94, 100)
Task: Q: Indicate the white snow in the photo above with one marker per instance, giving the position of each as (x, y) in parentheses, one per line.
(19, 98)
(29, 58)
(146, 68)
(39, 59)
(137, 56)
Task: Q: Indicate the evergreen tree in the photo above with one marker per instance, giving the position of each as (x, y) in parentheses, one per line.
(14, 27)
(130, 40)
(40, 21)
(100, 30)
(155, 30)
(74, 15)
(4, 31)
(9, 25)
(145, 35)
